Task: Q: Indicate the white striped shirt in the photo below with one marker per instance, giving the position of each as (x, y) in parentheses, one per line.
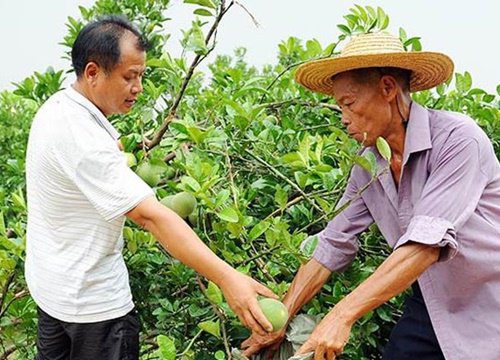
(79, 188)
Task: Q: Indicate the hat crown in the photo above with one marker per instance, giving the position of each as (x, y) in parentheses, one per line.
(372, 44)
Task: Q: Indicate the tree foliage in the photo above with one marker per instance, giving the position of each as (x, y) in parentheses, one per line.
(266, 159)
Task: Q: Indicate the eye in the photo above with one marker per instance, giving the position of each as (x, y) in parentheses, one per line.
(349, 103)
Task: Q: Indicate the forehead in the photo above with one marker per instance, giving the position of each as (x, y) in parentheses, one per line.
(344, 84)
(130, 54)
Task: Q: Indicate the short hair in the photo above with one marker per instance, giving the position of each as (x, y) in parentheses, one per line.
(373, 74)
(99, 41)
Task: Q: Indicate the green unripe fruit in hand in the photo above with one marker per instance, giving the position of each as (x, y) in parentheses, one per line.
(184, 204)
(131, 160)
(275, 312)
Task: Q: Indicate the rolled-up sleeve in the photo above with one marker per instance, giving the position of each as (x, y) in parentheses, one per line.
(338, 243)
(450, 196)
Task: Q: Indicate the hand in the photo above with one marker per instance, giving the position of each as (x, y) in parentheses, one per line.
(241, 293)
(328, 339)
(255, 343)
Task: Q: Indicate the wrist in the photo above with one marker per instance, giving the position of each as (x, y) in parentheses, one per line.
(343, 313)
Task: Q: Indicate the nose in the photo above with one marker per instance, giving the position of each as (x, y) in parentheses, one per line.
(345, 120)
(137, 87)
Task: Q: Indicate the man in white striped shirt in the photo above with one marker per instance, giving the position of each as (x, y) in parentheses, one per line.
(80, 191)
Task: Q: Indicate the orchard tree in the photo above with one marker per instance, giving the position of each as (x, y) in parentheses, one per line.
(262, 161)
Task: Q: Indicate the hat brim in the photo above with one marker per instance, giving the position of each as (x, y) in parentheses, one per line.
(429, 69)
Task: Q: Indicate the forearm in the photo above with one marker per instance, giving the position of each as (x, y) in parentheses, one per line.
(392, 277)
(306, 284)
(182, 243)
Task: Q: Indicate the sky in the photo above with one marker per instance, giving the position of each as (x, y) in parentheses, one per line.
(467, 31)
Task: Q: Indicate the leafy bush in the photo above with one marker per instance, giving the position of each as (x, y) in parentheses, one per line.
(266, 160)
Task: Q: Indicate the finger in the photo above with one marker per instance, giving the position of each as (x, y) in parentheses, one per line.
(262, 290)
(259, 316)
(319, 353)
(330, 354)
(254, 323)
(305, 348)
(247, 343)
(251, 350)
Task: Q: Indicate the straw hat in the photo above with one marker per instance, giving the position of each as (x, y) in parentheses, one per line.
(377, 50)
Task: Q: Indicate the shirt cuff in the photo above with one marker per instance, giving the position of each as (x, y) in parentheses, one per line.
(335, 250)
(432, 231)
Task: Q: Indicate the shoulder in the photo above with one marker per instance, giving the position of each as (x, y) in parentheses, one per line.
(455, 126)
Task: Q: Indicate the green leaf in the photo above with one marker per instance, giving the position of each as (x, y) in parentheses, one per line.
(344, 29)
(467, 81)
(384, 149)
(204, 3)
(281, 197)
(229, 214)
(308, 246)
(211, 327)
(214, 294)
(203, 12)
(3, 231)
(363, 162)
(498, 89)
(259, 229)
(196, 134)
(166, 347)
(362, 12)
(191, 183)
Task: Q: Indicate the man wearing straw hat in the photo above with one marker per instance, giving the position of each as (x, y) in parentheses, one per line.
(438, 208)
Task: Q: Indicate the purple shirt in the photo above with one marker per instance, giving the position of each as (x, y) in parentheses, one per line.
(448, 196)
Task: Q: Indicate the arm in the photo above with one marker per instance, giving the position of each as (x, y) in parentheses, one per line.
(308, 281)
(391, 278)
(182, 242)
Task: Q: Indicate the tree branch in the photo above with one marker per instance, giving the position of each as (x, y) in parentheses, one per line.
(196, 61)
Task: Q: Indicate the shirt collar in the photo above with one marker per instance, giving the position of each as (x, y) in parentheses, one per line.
(96, 114)
(418, 133)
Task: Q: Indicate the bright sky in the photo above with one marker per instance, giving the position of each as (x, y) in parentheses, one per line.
(468, 31)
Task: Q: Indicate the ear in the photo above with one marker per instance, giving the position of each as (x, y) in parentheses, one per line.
(91, 72)
(389, 87)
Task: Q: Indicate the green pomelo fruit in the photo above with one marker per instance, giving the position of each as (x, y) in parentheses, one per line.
(167, 201)
(151, 174)
(131, 160)
(193, 218)
(275, 311)
(183, 204)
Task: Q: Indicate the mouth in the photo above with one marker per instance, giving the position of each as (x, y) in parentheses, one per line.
(130, 102)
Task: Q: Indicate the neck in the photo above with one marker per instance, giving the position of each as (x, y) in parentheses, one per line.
(401, 114)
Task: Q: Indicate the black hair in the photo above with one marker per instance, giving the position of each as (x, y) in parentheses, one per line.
(99, 41)
(373, 74)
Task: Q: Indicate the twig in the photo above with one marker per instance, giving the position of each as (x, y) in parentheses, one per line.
(220, 315)
(280, 175)
(17, 296)
(348, 202)
(231, 179)
(256, 23)
(196, 61)
(277, 104)
(9, 281)
(8, 352)
(260, 264)
(257, 256)
(184, 352)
